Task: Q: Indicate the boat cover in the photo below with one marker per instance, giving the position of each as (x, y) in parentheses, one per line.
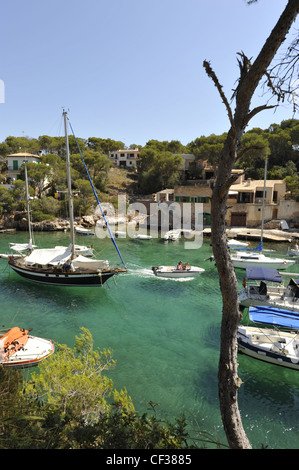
(46, 256)
(262, 274)
(274, 316)
(83, 262)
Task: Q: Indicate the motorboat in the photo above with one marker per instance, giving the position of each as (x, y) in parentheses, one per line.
(264, 286)
(84, 231)
(142, 236)
(183, 270)
(20, 349)
(269, 345)
(172, 235)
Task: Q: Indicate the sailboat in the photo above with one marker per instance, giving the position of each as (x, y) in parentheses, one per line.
(254, 256)
(25, 247)
(60, 265)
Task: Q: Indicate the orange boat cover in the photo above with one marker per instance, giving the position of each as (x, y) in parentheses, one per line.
(15, 334)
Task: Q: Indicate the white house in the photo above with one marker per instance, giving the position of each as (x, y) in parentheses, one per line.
(15, 161)
(125, 158)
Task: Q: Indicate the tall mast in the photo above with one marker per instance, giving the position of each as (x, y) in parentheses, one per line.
(27, 201)
(264, 197)
(69, 184)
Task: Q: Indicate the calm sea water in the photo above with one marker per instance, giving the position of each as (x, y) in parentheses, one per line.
(164, 335)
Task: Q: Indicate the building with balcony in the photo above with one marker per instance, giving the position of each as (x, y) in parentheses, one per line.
(125, 158)
(15, 161)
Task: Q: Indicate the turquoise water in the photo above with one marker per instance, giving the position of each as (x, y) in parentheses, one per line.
(164, 335)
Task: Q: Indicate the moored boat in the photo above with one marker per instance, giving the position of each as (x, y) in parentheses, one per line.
(241, 260)
(275, 347)
(19, 349)
(84, 231)
(61, 265)
(263, 286)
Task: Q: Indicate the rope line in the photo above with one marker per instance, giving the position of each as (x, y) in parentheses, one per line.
(96, 196)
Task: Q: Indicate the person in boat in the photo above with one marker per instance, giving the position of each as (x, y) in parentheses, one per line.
(180, 266)
(67, 266)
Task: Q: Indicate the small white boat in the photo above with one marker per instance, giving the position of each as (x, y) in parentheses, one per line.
(84, 231)
(236, 244)
(242, 259)
(172, 235)
(19, 349)
(21, 247)
(275, 347)
(141, 236)
(179, 271)
(263, 286)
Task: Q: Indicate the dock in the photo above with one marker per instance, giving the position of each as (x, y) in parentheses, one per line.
(244, 233)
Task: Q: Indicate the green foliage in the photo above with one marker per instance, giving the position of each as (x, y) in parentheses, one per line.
(69, 404)
(158, 169)
(77, 385)
(45, 208)
(104, 145)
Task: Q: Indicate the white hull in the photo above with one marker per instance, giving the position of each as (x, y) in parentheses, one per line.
(279, 348)
(30, 350)
(173, 272)
(235, 244)
(242, 260)
(172, 235)
(84, 231)
(142, 237)
(246, 299)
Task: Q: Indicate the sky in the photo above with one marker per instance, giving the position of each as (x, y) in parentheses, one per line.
(128, 70)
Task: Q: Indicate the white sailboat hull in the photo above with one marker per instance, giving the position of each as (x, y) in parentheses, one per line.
(242, 260)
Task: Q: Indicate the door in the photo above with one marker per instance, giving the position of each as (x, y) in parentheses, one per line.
(238, 219)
